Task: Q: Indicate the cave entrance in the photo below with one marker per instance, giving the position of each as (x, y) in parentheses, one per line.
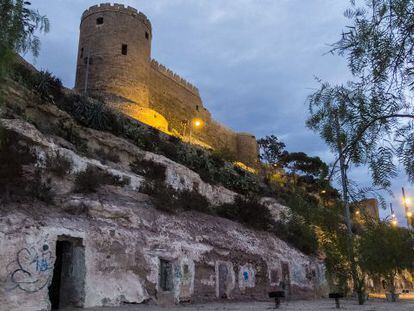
(68, 283)
(223, 274)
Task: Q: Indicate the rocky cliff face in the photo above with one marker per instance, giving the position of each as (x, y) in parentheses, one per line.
(112, 246)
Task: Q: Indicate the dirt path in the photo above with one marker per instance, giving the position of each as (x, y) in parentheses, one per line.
(316, 305)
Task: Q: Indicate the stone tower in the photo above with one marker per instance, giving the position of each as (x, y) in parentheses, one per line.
(114, 52)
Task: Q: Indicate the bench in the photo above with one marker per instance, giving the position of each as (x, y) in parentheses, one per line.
(277, 295)
(336, 296)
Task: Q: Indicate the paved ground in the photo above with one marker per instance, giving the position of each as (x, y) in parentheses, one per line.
(317, 305)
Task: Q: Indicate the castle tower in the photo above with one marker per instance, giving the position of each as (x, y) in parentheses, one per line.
(114, 54)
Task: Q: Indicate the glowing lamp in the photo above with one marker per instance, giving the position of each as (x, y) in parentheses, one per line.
(409, 214)
(197, 123)
(394, 222)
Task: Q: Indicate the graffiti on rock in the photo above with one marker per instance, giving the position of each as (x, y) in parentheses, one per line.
(30, 271)
(246, 277)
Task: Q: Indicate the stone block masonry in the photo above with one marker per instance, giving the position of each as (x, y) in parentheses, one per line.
(114, 59)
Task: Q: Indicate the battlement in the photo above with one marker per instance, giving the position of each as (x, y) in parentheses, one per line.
(116, 7)
(167, 72)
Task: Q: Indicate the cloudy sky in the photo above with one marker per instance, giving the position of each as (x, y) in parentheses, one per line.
(254, 61)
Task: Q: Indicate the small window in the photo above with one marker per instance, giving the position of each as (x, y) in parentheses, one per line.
(124, 49)
(81, 53)
(85, 60)
(166, 275)
(197, 108)
(99, 21)
(146, 35)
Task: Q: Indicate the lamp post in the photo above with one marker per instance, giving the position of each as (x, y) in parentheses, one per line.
(408, 213)
(196, 124)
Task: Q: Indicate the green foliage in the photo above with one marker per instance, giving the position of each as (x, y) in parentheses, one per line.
(301, 163)
(58, 164)
(41, 189)
(13, 156)
(92, 178)
(297, 232)
(335, 247)
(385, 251)
(92, 113)
(150, 169)
(19, 24)
(169, 200)
(104, 156)
(271, 149)
(47, 86)
(247, 211)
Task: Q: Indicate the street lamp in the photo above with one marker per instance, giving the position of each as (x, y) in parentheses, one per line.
(408, 213)
(196, 123)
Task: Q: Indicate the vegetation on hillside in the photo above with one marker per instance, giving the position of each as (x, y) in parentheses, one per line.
(354, 118)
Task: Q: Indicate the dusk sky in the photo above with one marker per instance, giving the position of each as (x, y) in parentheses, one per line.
(254, 61)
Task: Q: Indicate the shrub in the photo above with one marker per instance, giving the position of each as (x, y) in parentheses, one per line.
(44, 83)
(298, 233)
(247, 211)
(150, 169)
(13, 156)
(169, 200)
(93, 113)
(162, 196)
(58, 164)
(191, 200)
(41, 189)
(92, 178)
(105, 156)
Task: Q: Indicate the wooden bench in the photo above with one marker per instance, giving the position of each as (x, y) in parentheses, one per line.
(336, 296)
(277, 295)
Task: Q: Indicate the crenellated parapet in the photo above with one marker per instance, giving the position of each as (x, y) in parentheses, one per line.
(116, 7)
(169, 73)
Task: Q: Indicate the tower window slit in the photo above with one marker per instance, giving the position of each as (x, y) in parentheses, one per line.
(99, 21)
(124, 49)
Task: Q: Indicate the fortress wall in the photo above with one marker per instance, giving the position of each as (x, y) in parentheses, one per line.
(178, 101)
(173, 98)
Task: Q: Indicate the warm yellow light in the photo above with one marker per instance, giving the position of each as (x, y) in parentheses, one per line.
(357, 212)
(406, 201)
(323, 191)
(394, 222)
(197, 123)
(409, 214)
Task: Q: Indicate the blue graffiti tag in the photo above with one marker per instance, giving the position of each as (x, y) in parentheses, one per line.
(246, 275)
(31, 269)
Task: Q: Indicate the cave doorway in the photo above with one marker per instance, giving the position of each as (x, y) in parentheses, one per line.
(223, 274)
(68, 282)
(286, 279)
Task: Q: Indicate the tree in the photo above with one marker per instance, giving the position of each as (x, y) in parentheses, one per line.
(271, 149)
(378, 46)
(300, 162)
(329, 116)
(386, 251)
(19, 24)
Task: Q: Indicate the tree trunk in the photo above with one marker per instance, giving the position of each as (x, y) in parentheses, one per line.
(358, 284)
